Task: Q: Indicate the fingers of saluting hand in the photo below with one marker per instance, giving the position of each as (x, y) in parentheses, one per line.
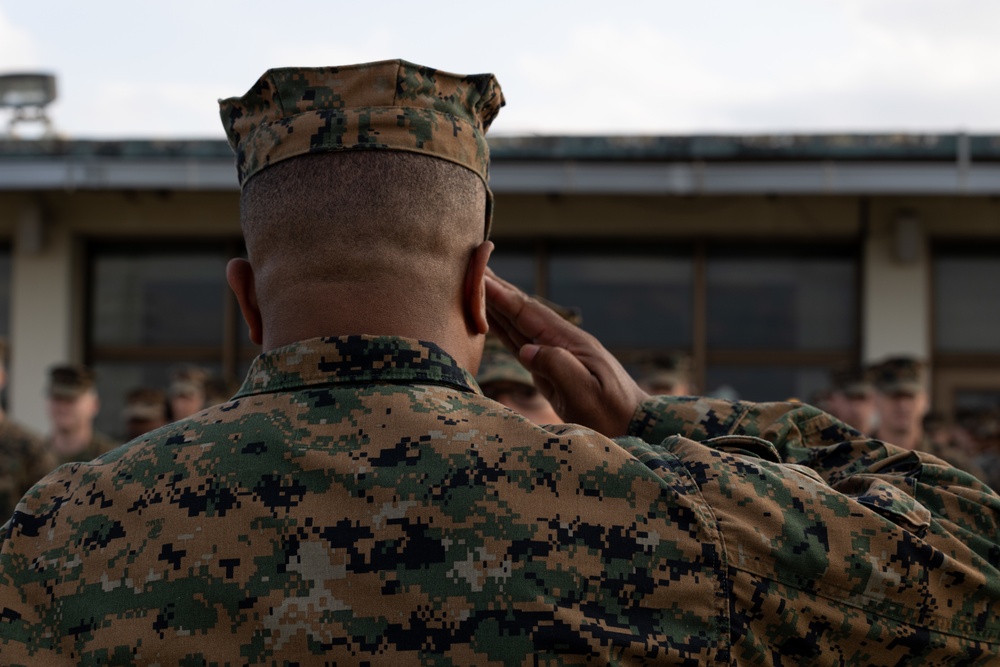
(503, 303)
(519, 320)
(584, 382)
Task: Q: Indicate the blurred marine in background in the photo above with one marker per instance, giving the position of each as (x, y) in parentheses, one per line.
(903, 400)
(851, 398)
(73, 405)
(502, 378)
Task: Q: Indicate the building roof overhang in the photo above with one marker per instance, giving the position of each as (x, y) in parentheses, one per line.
(628, 165)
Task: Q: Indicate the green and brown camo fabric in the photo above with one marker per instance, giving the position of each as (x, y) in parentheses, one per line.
(386, 105)
(360, 502)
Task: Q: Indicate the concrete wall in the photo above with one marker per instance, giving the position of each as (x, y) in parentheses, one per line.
(896, 292)
(41, 311)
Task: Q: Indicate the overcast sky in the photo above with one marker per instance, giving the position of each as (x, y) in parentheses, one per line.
(155, 69)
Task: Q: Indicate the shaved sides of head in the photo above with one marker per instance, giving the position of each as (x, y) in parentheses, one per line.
(357, 219)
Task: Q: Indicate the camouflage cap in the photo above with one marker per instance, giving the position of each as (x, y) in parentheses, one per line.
(69, 381)
(500, 365)
(145, 403)
(900, 375)
(665, 372)
(854, 381)
(187, 380)
(385, 105)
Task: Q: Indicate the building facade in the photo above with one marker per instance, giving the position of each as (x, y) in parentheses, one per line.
(768, 259)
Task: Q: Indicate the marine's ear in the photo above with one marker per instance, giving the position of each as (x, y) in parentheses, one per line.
(474, 294)
(239, 273)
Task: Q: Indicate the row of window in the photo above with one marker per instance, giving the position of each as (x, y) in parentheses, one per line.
(762, 323)
(794, 300)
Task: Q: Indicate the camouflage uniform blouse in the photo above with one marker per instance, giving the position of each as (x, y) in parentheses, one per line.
(359, 501)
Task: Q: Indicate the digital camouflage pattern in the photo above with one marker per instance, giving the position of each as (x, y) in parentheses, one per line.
(23, 461)
(387, 105)
(360, 502)
(953, 454)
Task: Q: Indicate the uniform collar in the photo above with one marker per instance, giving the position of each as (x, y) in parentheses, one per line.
(355, 360)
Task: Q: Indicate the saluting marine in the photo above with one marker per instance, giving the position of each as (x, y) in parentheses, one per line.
(360, 501)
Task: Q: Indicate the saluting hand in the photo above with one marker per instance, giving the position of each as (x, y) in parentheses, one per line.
(583, 381)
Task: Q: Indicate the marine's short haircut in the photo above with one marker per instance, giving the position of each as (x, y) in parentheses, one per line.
(353, 216)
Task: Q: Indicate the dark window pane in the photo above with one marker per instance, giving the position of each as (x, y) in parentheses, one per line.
(517, 268)
(147, 298)
(967, 303)
(797, 303)
(766, 383)
(977, 400)
(627, 300)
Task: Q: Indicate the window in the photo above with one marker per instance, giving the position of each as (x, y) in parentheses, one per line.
(777, 320)
(966, 303)
(628, 299)
(766, 382)
(156, 298)
(760, 323)
(154, 306)
(796, 302)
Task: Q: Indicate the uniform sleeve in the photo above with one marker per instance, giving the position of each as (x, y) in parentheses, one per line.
(910, 488)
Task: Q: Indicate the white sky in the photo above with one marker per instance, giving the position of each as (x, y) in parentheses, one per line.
(155, 70)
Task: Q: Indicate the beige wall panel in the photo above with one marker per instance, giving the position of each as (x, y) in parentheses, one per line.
(41, 318)
(896, 292)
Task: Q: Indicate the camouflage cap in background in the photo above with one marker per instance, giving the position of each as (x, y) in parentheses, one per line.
(386, 105)
(662, 373)
(187, 380)
(69, 381)
(900, 375)
(500, 365)
(854, 381)
(145, 403)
